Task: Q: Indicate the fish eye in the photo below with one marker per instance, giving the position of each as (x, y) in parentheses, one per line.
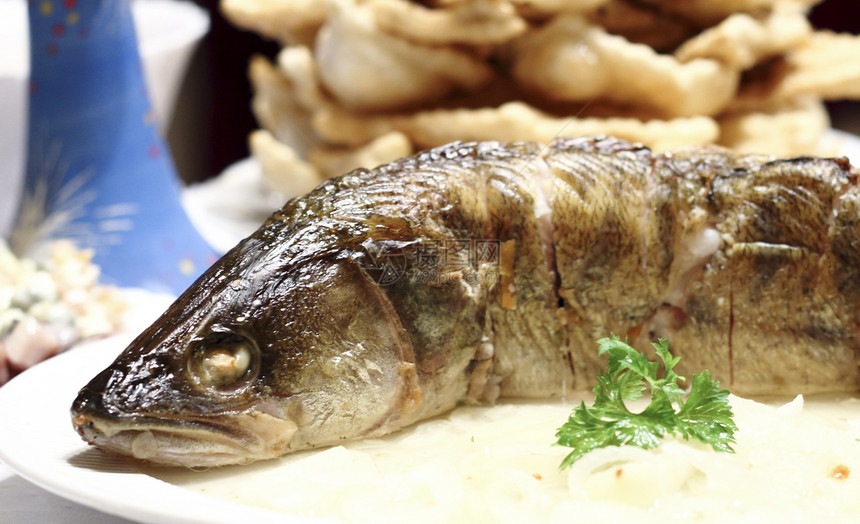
(224, 362)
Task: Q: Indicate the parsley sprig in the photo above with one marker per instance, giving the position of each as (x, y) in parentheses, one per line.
(705, 414)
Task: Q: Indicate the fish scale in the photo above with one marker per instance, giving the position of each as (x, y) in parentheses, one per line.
(480, 270)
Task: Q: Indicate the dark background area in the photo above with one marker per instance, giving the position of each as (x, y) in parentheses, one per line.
(213, 112)
(213, 116)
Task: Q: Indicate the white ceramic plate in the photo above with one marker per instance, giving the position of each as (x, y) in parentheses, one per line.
(37, 441)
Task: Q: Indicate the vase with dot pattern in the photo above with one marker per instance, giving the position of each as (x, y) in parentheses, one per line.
(98, 173)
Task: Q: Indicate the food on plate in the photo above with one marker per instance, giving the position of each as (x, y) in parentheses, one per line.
(823, 67)
(468, 22)
(274, 156)
(290, 21)
(706, 12)
(480, 270)
(512, 121)
(705, 414)
(570, 59)
(48, 305)
(751, 75)
(780, 128)
(793, 462)
(743, 40)
(354, 60)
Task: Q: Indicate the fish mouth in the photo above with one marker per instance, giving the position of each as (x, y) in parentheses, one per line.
(234, 437)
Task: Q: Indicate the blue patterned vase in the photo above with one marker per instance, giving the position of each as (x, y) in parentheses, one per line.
(98, 173)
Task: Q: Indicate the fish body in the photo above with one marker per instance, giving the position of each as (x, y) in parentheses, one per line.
(479, 270)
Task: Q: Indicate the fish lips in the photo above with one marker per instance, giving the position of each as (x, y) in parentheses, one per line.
(230, 437)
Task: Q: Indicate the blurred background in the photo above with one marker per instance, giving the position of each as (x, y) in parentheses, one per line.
(840, 16)
(213, 117)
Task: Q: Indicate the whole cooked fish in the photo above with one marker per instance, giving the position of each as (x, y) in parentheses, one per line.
(480, 270)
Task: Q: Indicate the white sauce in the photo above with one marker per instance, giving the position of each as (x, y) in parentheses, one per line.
(498, 464)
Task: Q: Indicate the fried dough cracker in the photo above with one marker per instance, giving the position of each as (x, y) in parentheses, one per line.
(641, 24)
(447, 3)
(366, 69)
(706, 13)
(827, 65)
(570, 59)
(509, 122)
(741, 40)
(298, 66)
(288, 21)
(381, 150)
(479, 22)
(794, 128)
(277, 107)
(543, 8)
(283, 170)
(380, 79)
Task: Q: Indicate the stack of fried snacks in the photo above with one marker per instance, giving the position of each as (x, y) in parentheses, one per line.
(363, 82)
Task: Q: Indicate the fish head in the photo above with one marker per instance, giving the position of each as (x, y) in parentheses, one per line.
(256, 359)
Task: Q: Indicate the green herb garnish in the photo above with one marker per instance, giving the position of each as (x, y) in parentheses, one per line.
(705, 414)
